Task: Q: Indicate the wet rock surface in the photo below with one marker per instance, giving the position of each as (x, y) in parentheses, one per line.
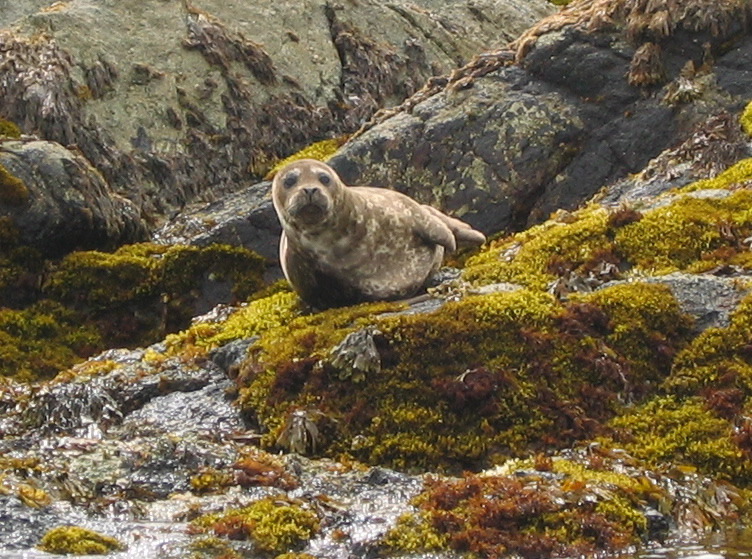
(244, 218)
(127, 450)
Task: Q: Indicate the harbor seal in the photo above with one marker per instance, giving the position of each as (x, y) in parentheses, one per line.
(342, 245)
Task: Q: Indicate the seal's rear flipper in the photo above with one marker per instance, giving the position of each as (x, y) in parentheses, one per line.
(463, 233)
(435, 231)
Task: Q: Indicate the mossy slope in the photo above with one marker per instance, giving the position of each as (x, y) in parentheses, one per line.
(480, 379)
(688, 233)
(58, 313)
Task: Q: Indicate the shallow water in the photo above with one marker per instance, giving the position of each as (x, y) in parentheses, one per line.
(731, 544)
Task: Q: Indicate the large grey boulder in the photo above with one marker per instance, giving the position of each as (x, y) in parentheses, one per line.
(174, 101)
(584, 98)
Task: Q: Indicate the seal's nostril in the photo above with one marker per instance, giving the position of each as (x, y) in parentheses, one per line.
(310, 190)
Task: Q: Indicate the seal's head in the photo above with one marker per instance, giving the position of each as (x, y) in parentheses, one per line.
(305, 193)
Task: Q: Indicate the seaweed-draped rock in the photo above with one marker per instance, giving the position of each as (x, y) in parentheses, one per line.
(585, 97)
(174, 101)
(56, 201)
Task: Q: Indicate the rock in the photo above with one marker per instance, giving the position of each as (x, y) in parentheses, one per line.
(177, 101)
(503, 144)
(244, 218)
(714, 146)
(58, 202)
(607, 395)
(229, 356)
(709, 299)
(21, 526)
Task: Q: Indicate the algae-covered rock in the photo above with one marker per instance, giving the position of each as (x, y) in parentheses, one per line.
(57, 201)
(487, 377)
(589, 377)
(91, 300)
(273, 524)
(561, 506)
(44, 339)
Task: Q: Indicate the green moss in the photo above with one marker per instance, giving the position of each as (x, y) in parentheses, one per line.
(21, 267)
(686, 232)
(647, 324)
(13, 191)
(250, 320)
(42, 340)
(531, 257)
(9, 129)
(212, 546)
(103, 280)
(72, 540)
(487, 377)
(274, 524)
(184, 267)
(140, 292)
(718, 359)
(211, 480)
(623, 512)
(322, 151)
(738, 174)
(668, 430)
(100, 280)
(578, 473)
(746, 119)
(415, 533)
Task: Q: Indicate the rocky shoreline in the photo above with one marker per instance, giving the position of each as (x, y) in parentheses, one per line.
(580, 385)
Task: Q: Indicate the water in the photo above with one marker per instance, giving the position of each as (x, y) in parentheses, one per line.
(730, 544)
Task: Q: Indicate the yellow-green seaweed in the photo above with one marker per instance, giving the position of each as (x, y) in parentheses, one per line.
(274, 524)
(9, 129)
(746, 119)
(682, 432)
(43, 339)
(319, 150)
(689, 233)
(13, 191)
(488, 376)
(73, 540)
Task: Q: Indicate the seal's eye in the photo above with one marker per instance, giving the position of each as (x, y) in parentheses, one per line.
(325, 179)
(290, 180)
